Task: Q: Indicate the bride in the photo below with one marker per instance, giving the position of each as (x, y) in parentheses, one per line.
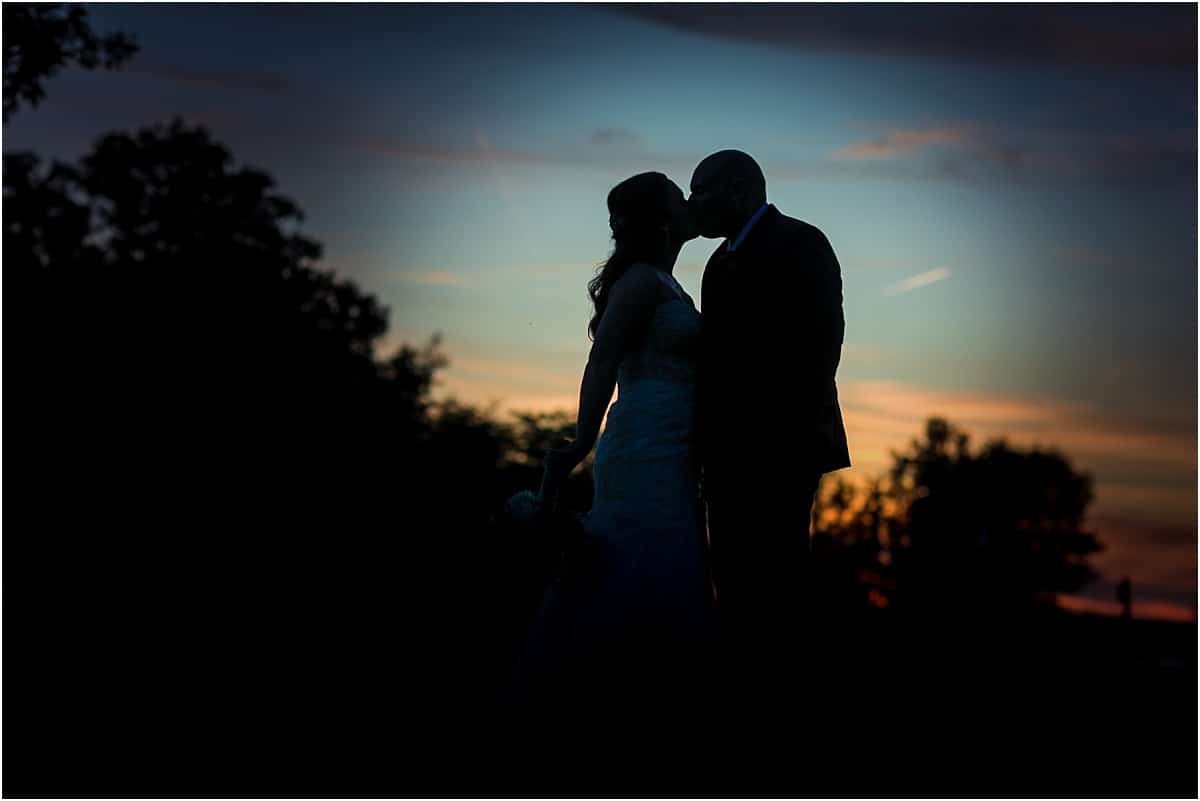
(630, 622)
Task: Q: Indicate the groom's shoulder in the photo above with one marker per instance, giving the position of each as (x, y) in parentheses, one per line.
(804, 240)
(801, 231)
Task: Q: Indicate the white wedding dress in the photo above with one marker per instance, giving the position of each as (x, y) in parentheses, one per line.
(639, 598)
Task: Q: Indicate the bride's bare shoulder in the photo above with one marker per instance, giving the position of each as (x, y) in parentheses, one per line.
(644, 269)
(638, 275)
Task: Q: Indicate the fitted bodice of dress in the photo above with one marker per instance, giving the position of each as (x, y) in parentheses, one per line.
(647, 451)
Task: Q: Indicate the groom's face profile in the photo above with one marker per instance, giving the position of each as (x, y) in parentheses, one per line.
(727, 188)
(683, 225)
(706, 199)
(718, 199)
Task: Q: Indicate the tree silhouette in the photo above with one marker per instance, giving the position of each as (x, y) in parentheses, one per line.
(40, 39)
(854, 527)
(219, 407)
(215, 456)
(1000, 528)
(177, 287)
(948, 530)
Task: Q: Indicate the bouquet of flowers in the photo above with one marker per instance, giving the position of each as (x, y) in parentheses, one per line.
(525, 510)
(547, 535)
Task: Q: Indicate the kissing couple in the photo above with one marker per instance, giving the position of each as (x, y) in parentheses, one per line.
(698, 555)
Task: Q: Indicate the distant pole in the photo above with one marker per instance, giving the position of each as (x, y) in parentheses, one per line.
(1125, 596)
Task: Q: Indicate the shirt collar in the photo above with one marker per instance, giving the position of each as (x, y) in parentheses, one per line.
(746, 229)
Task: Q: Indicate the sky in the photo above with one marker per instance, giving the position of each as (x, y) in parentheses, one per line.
(1010, 190)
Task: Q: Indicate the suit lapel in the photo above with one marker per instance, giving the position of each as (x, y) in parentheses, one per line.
(756, 244)
(727, 270)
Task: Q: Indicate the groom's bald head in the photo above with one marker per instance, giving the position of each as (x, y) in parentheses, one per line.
(733, 165)
(727, 188)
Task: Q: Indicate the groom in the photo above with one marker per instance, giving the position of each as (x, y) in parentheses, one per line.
(770, 425)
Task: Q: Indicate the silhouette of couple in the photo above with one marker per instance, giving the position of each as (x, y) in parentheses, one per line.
(697, 543)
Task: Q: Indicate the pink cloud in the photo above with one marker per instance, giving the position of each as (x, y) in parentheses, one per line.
(989, 151)
(435, 278)
(904, 143)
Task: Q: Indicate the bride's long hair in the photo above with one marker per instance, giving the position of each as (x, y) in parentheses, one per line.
(638, 213)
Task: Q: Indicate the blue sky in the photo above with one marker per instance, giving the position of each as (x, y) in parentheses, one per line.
(1011, 193)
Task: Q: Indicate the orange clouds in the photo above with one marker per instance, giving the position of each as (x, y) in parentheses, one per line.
(1140, 472)
(1075, 427)
(510, 384)
(883, 415)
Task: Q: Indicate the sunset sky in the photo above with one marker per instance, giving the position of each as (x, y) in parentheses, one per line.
(1011, 192)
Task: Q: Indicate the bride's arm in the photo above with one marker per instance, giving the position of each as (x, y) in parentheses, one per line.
(631, 304)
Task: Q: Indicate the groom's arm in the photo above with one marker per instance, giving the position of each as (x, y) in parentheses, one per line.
(827, 321)
(814, 331)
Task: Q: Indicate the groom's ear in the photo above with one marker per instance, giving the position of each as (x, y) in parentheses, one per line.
(732, 191)
(737, 189)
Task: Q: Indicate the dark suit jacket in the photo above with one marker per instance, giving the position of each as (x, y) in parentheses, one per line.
(772, 339)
